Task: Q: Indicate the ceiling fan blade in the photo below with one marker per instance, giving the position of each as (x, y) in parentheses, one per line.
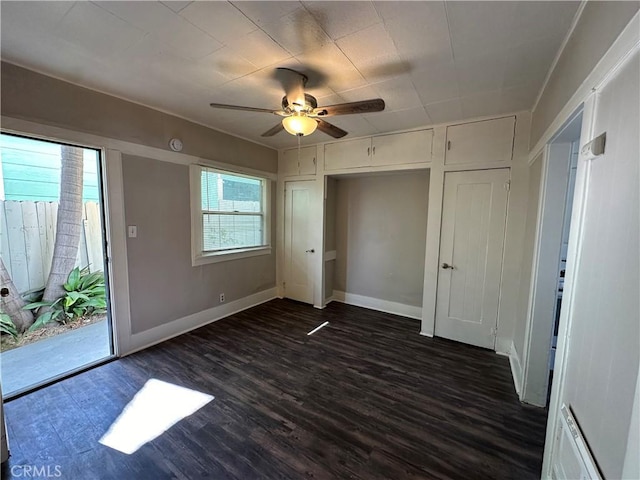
(239, 107)
(364, 106)
(293, 83)
(330, 129)
(272, 131)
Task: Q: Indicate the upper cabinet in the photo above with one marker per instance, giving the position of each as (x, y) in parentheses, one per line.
(349, 154)
(395, 149)
(302, 162)
(402, 148)
(485, 142)
(476, 144)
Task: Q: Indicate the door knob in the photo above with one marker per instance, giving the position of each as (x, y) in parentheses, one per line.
(446, 265)
(311, 251)
(4, 292)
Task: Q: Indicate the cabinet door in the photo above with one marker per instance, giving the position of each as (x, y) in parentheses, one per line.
(350, 154)
(296, 163)
(307, 162)
(488, 141)
(289, 163)
(402, 148)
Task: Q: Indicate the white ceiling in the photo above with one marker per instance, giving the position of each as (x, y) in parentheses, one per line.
(431, 62)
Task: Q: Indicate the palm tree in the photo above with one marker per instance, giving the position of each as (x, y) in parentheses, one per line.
(12, 304)
(68, 223)
(65, 250)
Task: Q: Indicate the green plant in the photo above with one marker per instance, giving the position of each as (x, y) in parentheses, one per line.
(85, 295)
(7, 326)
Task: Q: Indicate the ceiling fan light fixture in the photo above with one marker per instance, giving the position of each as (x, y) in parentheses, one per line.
(299, 124)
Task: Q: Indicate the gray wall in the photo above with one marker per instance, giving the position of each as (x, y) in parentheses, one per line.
(381, 224)
(31, 96)
(330, 235)
(598, 27)
(330, 214)
(163, 286)
(528, 246)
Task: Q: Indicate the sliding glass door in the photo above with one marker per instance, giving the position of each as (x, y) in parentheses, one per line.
(54, 292)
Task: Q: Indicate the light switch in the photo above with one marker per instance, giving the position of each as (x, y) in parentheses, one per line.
(133, 231)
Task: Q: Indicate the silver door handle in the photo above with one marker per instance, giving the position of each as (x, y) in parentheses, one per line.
(311, 251)
(446, 265)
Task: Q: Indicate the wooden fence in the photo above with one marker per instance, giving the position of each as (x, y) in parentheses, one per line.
(27, 236)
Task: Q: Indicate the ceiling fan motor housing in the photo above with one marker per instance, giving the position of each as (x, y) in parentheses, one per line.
(310, 103)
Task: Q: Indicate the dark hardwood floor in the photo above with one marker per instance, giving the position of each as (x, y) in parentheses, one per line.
(365, 397)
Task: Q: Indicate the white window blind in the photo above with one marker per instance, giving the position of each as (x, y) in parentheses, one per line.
(233, 211)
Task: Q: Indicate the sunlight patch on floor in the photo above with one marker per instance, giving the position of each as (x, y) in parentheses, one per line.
(153, 410)
(318, 328)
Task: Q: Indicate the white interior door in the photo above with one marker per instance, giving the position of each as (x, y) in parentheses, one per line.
(297, 242)
(471, 243)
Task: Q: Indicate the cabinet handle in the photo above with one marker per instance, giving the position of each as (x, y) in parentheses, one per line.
(374, 150)
(449, 145)
(368, 151)
(314, 160)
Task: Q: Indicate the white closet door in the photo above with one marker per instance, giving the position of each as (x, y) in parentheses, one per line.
(471, 244)
(298, 275)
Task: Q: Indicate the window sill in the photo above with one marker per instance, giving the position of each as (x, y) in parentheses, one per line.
(217, 257)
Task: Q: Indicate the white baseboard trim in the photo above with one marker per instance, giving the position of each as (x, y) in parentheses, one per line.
(377, 304)
(516, 368)
(504, 346)
(142, 340)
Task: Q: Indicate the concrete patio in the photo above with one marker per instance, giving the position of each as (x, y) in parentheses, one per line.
(37, 362)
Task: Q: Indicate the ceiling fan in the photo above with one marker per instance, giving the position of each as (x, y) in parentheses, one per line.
(300, 110)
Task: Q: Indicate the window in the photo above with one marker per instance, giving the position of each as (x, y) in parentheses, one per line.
(231, 216)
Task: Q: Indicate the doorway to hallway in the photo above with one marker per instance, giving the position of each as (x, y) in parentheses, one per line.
(557, 182)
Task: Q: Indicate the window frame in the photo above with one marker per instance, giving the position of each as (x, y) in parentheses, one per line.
(201, 257)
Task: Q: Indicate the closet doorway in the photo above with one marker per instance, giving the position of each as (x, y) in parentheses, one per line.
(375, 237)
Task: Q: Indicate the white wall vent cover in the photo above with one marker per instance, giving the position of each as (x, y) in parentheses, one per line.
(571, 456)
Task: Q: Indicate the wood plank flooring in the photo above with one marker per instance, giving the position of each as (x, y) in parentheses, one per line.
(365, 397)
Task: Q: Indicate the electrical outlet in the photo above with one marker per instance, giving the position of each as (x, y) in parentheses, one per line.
(222, 298)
